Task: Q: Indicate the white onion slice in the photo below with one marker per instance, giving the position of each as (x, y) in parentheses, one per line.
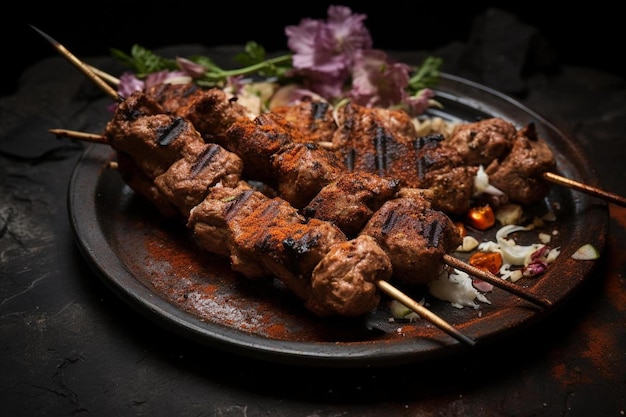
(586, 252)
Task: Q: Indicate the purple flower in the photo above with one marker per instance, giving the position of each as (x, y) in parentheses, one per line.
(324, 51)
(190, 68)
(129, 83)
(376, 82)
(418, 103)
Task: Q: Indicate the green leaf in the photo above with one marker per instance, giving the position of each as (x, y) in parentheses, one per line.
(425, 75)
(143, 62)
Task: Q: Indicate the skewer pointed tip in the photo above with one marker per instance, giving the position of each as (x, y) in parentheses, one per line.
(80, 65)
(45, 35)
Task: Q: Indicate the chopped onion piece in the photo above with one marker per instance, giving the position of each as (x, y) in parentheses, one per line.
(586, 252)
(400, 311)
(552, 255)
(469, 244)
(457, 288)
(545, 238)
(482, 186)
(509, 214)
(512, 253)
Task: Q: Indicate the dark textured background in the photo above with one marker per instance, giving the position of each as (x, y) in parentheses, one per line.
(70, 346)
(586, 36)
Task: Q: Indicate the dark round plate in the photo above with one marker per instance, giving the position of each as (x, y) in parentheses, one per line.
(153, 265)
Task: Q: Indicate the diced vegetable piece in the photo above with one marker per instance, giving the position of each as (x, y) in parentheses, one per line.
(586, 252)
(509, 214)
(487, 261)
(544, 238)
(469, 244)
(481, 217)
(400, 311)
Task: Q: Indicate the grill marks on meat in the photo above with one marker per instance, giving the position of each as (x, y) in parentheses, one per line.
(155, 139)
(274, 152)
(414, 237)
(385, 143)
(350, 201)
(262, 236)
(268, 237)
(189, 179)
(313, 117)
(211, 111)
(366, 144)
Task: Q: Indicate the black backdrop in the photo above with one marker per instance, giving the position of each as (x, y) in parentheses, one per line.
(590, 35)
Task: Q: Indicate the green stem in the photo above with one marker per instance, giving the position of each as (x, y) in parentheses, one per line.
(221, 74)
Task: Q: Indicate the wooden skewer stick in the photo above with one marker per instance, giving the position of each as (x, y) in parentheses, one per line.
(98, 76)
(596, 192)
(382, 285)
(73, 134)
(496, 281)
(81, 66)
(448, 259)
(104, 75)
(422, 311)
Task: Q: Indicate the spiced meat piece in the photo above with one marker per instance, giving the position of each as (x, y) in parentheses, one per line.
(379, 142)
(520, 174)
(187, 182)
(396, 121)
(216, 219)
(441, 169)
(415, 238)
(312, 117)
(364, 143)
(344, 281)
(173, 97)
(255, 141)
(350, 201)
(286, 243)
(211, 111)
(301, 170)
(153, 139)
(482, 142)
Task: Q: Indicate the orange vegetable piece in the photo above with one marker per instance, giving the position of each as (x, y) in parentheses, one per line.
(487, 261)
(481, 217)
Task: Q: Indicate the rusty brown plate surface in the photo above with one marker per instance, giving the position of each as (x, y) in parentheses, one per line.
(153, 265)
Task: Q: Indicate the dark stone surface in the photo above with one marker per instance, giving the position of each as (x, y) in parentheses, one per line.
(69, 346)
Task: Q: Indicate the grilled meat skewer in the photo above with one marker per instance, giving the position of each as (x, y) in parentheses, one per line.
(272, 238)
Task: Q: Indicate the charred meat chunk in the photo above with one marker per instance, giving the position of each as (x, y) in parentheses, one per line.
(520, 174)
(415, 238)
(351, 200)
(482, 142)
